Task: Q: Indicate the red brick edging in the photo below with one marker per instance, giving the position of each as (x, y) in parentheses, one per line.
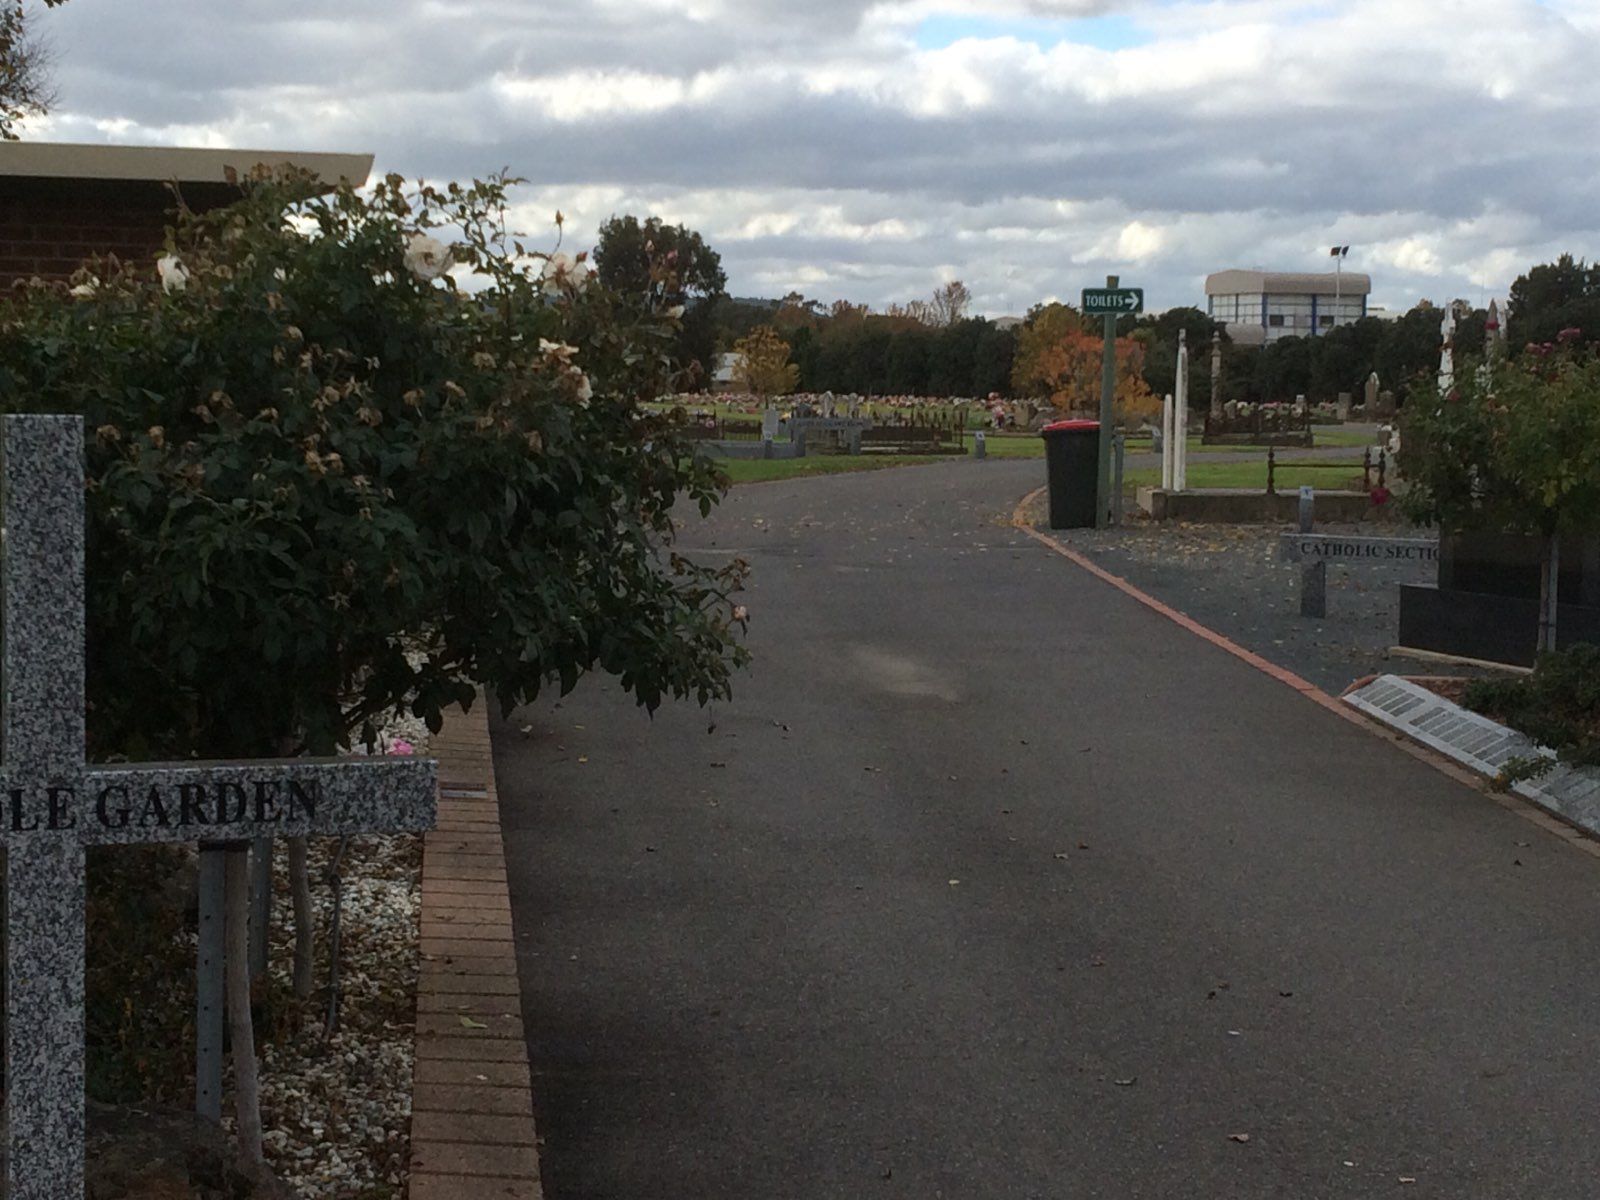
(472, 1131)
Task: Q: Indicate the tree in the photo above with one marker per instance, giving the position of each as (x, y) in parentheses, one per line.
(1347, 355)
(24, 75)
(1159, 336)
(763, 365)
(950, 303)
(667, 268)
(1408, 354)
(1513, 447)
(1554, 297)
(1283, 368)
(1058, 358)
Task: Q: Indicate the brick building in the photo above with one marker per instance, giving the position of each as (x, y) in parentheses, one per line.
(60, 203)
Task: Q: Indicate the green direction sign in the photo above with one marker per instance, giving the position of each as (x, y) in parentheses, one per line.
(1112, 302)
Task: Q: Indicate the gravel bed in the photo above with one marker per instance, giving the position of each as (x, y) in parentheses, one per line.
(1231, 578)
(337, 1111)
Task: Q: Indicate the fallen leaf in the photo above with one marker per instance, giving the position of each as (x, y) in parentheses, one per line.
(1239, 1137)
(583, 758)
(527, 731)
(719, 764)
(469, 1023)
(1062, 856)
(1083, 845)
(1129, 1082)
(955, 882)
(1408, 1179)
(1285, 995)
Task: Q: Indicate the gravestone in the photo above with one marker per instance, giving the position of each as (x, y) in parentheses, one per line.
(1370, 396)
(55, 804)
(769, 422)
(1386, 407)
(1342, 408)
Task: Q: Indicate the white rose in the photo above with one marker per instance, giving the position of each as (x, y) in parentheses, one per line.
(557, 350)
(427, 257)
(561, 272)
(84, 291)
(584, 390)
(675, 312)
(174, 275)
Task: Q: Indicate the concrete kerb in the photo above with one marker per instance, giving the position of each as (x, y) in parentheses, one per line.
(472, 1129)
(1580, 839)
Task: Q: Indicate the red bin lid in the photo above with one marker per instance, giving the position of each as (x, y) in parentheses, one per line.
(1075, 424)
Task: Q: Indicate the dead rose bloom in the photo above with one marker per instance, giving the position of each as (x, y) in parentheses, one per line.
(559, 351)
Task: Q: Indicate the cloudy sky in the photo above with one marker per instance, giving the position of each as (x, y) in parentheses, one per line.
(872, 149)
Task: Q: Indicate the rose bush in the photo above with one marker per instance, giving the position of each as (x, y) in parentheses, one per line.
(339, 468)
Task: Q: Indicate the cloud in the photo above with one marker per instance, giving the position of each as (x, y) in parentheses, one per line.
(819, 146)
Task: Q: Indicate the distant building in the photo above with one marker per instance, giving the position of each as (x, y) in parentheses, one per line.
(1260, 306)
(63, 202)
(725, 377)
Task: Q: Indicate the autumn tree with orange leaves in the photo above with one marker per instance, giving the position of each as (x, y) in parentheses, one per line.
(1059, 359)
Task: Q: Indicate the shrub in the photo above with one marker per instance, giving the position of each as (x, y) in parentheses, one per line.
(328, 481)
(1558, 706)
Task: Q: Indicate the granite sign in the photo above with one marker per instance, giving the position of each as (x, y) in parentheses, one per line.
(55, 804)
(1331, 547)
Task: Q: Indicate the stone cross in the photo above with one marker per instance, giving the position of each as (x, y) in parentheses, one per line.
(52, 804)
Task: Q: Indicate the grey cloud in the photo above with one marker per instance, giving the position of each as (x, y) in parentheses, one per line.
(1387, 138)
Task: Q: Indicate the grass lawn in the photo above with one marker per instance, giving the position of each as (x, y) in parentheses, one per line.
(1031, 445)
(1011, 445)
(1253, 475)
(761, 470)
(1322, 435)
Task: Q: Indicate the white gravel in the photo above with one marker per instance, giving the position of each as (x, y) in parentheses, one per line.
(337, 1111)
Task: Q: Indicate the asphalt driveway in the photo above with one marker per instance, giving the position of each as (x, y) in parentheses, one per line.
(991, 883)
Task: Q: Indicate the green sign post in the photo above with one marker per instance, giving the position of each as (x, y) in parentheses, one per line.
(1109, 302)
